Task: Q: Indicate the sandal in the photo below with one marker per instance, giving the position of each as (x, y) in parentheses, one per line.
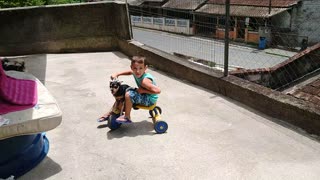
(103, 118)
(123, 119)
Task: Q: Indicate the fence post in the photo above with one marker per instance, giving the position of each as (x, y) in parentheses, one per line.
(226, 39)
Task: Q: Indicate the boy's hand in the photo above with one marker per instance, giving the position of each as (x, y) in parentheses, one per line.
(140, 90)
(113, 76)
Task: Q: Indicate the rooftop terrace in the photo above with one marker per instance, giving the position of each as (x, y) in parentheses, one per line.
(221, 127)
(209, 137)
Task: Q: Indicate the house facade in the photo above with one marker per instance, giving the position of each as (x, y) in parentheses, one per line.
(279, 22)
(250, 19)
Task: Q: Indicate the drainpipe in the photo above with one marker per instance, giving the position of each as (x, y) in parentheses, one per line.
(269, 6)
(129, 20)
(193, 23)
(226, 39)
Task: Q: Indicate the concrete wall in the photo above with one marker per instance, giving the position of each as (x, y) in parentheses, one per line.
(251, 36)
(306, 20)
(281, 20)
(139, 22)
(62, 28)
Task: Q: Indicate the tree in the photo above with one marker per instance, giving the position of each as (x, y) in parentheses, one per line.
(20, 3)
(62, 1)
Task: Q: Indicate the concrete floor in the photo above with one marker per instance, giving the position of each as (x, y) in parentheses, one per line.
(209, 136)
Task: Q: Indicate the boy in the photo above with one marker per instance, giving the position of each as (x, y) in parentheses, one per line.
(147, 92)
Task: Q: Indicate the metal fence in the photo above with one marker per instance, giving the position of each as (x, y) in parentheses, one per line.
(264, 42)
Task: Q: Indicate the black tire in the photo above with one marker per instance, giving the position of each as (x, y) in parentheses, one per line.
(112, 124)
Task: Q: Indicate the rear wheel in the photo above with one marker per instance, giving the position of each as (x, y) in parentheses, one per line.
(161, 127)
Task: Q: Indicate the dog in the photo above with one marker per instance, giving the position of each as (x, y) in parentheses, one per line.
(118, 91)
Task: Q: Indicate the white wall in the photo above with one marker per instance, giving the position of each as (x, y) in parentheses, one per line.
(281, 20)
(175, 25)
(307, 20)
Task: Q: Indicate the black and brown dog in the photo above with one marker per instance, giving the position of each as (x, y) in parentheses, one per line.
(118, 91)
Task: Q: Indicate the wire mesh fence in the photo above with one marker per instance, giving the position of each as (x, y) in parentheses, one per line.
(266, 38)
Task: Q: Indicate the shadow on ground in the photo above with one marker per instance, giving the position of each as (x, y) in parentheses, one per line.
(44, 170)
(141, 128)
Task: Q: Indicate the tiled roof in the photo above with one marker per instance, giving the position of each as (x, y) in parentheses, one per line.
(243, 11)
(263, 3)
(140, 2)
(310, 92)
(183, 4)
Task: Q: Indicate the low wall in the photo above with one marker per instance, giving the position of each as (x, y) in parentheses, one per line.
(253, 37)
(181, 26)
(273, 103)
(220, 34)
(86, 27)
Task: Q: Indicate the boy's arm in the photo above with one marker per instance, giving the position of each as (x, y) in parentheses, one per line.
(148, 87)
(115, 75)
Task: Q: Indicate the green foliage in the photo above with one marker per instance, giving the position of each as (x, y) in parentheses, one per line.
(62, 1)
(22, 3)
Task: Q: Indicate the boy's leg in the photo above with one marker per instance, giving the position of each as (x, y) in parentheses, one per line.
(128, 105)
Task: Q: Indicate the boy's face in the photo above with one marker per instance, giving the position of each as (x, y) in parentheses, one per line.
(138, 69)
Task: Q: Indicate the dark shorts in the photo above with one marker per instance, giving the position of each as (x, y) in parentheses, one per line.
(142, 99)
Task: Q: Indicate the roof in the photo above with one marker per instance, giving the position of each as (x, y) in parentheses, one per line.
(262, 3)
(301, 78)
(140, 2)
(154, 1)
(183, 4)
(241, 11)
(309, 92)
(157, 3)
(135, 2)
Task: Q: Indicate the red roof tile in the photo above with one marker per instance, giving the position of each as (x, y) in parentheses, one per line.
(241, 11)
(309, 92)
(263, 3)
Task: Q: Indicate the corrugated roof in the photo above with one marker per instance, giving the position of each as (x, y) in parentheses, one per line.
(263, 3)
(241, 11)
(183, 4)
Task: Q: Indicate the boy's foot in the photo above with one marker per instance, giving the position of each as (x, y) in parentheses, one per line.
(123, 119)
(103, 118)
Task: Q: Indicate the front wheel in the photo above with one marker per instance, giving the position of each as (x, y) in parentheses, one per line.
(112, 124)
